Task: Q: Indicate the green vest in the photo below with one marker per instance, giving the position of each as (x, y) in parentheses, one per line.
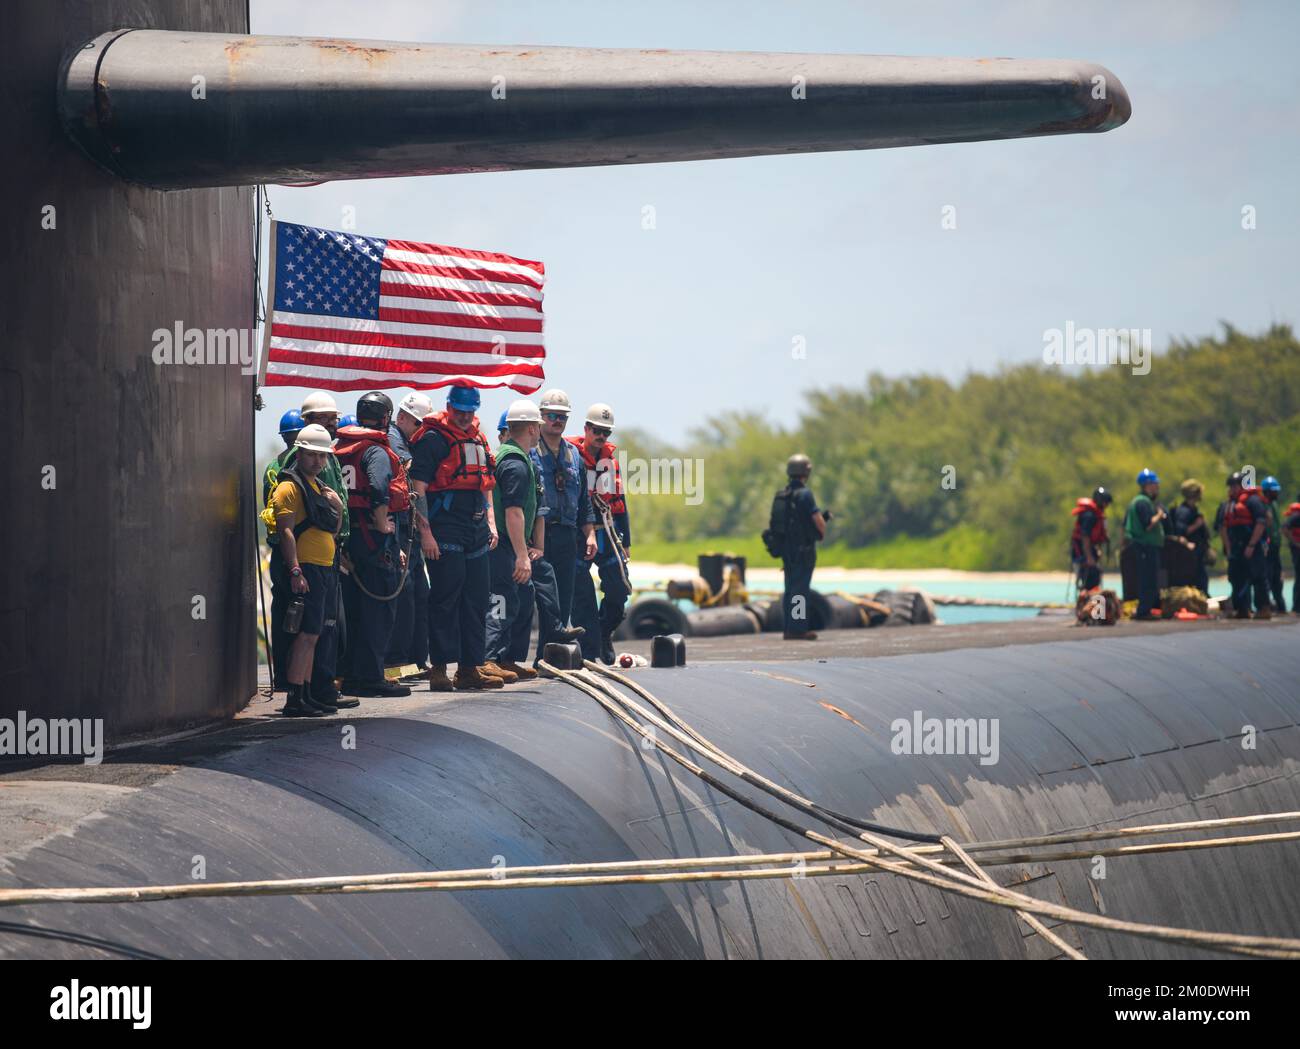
(1133, 526)
(507, 450)
(332, 475)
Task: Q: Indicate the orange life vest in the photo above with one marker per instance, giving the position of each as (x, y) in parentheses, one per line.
(1238, 515)
(1293, 533)
(353, 441)
(1098, 532)
(603, 478)
(469, 466)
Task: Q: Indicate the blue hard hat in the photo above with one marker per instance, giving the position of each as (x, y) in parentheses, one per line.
(348, 420)
(1148, 476)
(501, 423)
(463, 399)
(291, 421)
(1271, 484)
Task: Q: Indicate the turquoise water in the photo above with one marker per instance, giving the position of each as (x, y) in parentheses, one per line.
(1055, 592)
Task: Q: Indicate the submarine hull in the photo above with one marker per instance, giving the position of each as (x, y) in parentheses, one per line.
(1125, 731)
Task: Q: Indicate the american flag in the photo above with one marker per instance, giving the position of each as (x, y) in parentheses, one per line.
(362, 313)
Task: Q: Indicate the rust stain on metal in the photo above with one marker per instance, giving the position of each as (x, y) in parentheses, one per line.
(845, 715)
(346, 47)
(782, 677)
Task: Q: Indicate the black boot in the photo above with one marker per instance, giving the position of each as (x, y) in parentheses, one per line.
(297, 705)
(606, 649)
(326, 695)
(325, 706)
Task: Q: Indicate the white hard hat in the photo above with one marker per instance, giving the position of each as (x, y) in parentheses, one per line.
(319, 402)
(601, 415)
(556, 401)
(314, 438)
(416, 405)
(523, 411)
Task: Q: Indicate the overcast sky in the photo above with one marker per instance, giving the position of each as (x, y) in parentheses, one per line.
(1137, 228)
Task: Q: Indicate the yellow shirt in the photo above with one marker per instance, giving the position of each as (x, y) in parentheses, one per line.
(315, 547)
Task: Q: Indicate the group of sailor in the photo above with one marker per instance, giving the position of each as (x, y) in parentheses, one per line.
(1250, 524)
(401, 539)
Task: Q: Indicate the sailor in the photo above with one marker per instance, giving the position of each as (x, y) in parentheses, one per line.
(503, 431)
(570, 520)
(373, 572)
(318, 409)
(521, 576)
(290, 423)
(1088, 537)
(1144, 530)
(605, 492)
(1270, 490)
(1189, 525)
(307, 514)
(795, 528)
(1291, 526)
(453, 470)
(409, 644)
(1245, 531)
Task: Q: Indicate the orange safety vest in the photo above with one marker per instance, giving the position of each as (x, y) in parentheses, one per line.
(1098, 534)
(352, 444)
(1238, 515)
(1293, 533)
(469, 466)
(598, 476)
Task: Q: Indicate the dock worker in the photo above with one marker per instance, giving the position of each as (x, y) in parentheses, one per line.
(1088, 537)
(409, 643)
(372, 579)
(1189, 525)
(318, 409)
(1270, 490)
(290, 423)
(1144, 530)
(503, 431)
(521, 577)
(1291, 529)
(1245, 530)
(454, 472)
(798, 525)
(570, 520)
(605, 491)
(307, 515)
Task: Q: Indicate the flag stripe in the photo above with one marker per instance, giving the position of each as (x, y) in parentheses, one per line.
(351, 312)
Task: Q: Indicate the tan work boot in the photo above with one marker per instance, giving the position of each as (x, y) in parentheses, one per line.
(493, 670)
(1264, 613)
(438, 679)
(469, 679)
(522, 673)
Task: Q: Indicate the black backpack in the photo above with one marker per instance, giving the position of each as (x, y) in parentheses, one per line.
(781, 538)
(320, 513)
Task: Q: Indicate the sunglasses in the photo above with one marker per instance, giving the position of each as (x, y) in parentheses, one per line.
(556, 417)
(600, 431)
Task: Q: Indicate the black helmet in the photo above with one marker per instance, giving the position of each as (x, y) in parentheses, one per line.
(1101, 495)
(798, 466)
(1234, 478)
(374, 407)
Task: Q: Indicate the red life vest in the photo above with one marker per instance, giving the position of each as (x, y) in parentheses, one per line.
(1239, 515)
(353, 441)
(1293, 533)
(1098, 533)
(469, 466)
(599, 482)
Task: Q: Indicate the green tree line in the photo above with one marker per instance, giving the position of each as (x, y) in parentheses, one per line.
(1019, 445)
